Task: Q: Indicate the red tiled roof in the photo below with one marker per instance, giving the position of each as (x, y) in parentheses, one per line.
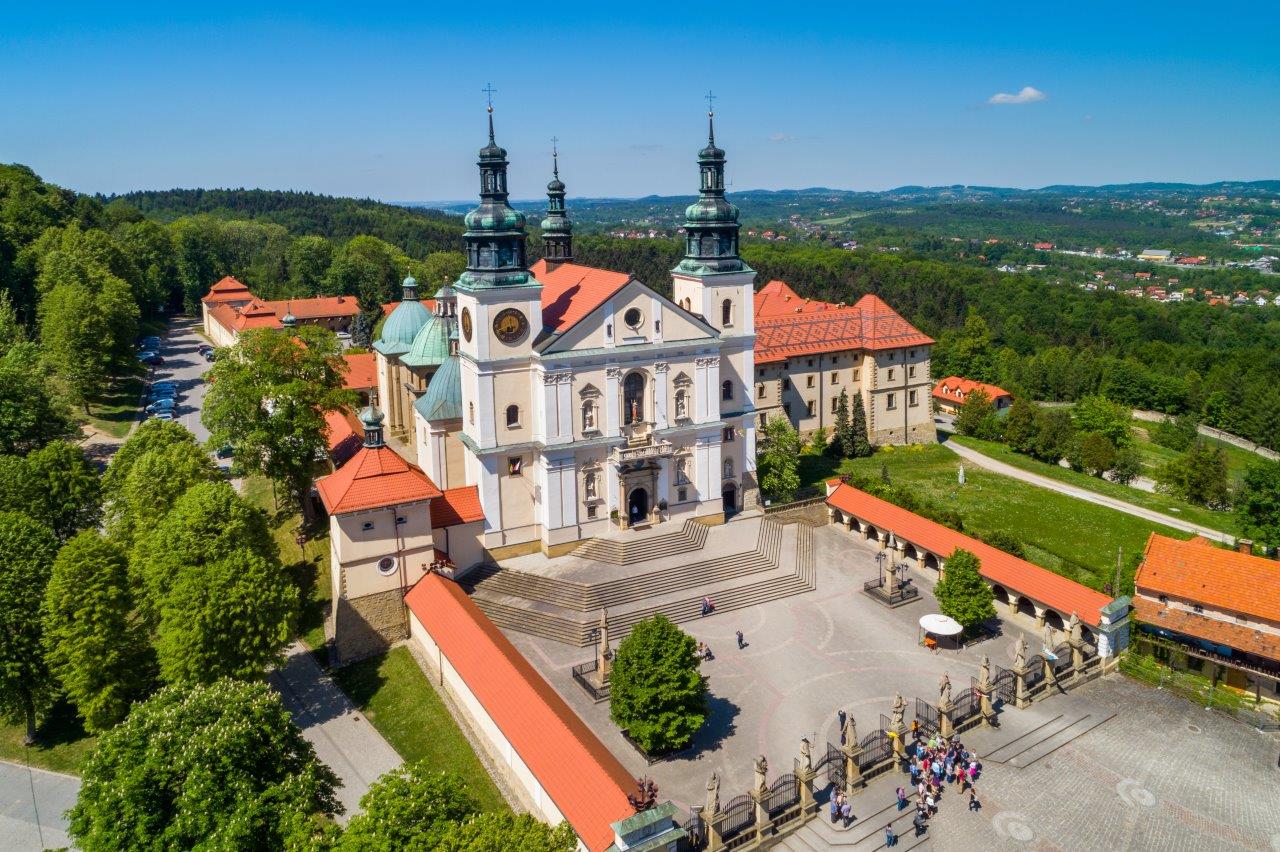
(1197, 571)
(582, 778)
(1014, 574)
(375, 477)
(570, 291)
(343, 433)
(429, 304)
(362, 371)
(227, 290)
(955, 389)
(777, 299)
(457, 506)
(868, 324)
(1238, 636)
(318, 307)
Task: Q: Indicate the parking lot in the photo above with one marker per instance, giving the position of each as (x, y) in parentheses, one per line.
(184, 366)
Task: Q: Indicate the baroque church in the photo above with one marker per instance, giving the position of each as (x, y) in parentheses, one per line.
(578, 399)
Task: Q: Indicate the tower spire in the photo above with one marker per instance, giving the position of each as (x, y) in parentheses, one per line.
(711, 222)
(711, 118)
(489, 90)
(557, 230)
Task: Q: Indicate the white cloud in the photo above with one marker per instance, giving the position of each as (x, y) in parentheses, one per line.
(781, 137)
(1028, 95)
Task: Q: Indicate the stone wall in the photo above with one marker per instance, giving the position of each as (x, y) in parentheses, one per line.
(368, 625)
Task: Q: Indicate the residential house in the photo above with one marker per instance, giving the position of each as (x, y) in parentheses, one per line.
(950, 393)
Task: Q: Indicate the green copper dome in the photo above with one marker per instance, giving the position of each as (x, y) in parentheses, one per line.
(431, 347)
(443, 399)
(400, 329)
(494, 217)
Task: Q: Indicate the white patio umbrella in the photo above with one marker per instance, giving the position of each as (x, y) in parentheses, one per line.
(940, 625)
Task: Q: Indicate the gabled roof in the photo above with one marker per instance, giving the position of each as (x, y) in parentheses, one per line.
(375, 477)
(817, 327)
(956, 388)
(1197, 571)
(570, 291)
(362, 371)
(342, 432)
(318, 307)
(581, 777)
(1014, 574)
(457, 506)
(227, 290)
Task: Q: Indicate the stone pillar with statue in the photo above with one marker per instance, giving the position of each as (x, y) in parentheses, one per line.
(711, 814)
(896, 725)
(604, 656)
(759, 792)
(1021, 700)
(804, 777)
(985, 688)
(851, 750)
(944, 706)
(1075, 637)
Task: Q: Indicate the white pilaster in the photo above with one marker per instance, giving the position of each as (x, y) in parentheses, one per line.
(660, 370)
(611, 403)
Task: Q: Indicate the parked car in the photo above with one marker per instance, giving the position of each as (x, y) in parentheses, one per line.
(209, 356)
(226, 451)
(150, 343)
(162, 415)
(150, 357)
(204, 349)
(161, 405)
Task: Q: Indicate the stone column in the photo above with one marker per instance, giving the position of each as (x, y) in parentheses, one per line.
(804, 777)
(602, 650)
(764, 827)
(852, 750)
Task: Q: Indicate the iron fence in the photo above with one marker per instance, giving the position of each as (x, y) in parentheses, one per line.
(783, 793)
(927, 716)
(1004, 686)
(967, 705)
(737, 816)
(582, 674)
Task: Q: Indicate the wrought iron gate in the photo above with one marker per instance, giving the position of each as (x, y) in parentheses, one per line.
(737, 816)
(927, 716)
(1004, 686)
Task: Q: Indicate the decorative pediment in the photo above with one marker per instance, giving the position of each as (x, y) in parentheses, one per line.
(589, 391)
(682, 379)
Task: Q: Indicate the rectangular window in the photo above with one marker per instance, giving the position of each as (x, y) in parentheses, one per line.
(890, 374)
(810, 362)
(515, 466)
(759, 391)
(764, 418)
(891, 401)
(890, 356)
(911, 353)
(835, 378)
(786, 384)
(591, 511)
(811, 407)
(728, 434)
(911, 371)
(835, 404)
(682, 494)
(912, 399)
(809, 381)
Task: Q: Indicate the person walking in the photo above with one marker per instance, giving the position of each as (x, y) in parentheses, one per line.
(931, 804)
(902, 798)
(974, 804)
(890, 839)
(741, 642)
(918, 823)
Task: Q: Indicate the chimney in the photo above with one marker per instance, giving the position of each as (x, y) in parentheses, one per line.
(1245, 546)
(341, 299)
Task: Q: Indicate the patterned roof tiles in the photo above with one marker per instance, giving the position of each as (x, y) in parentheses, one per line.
(868, 324)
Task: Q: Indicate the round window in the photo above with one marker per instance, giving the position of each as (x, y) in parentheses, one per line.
(633, 317)
(386, 566)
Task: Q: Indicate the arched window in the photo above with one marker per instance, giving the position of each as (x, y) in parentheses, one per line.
(588, 416)
(471, 412)
(685, 303)
(682, 404)
(726, 312)
(726, 390)
(728, 468)
(513, 416)
(633, 398)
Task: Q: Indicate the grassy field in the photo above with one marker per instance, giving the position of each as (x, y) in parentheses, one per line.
(61, 743)
(1155, 456)
(394, 695)
(1076, 539)
(1222, 521)
(116, 410)
(308, 564)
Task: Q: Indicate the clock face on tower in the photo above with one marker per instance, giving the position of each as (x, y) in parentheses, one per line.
(510, 325)
(466, 324)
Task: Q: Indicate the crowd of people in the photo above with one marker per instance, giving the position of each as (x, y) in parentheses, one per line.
(934, 764)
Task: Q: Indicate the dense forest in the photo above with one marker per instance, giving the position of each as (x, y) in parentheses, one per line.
(1038, 338)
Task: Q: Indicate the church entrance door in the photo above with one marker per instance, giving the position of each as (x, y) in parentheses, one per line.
(729, 495)
(638, 506)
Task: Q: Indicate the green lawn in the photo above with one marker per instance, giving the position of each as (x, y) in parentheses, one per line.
(309, 564)
(117, 409)
(1076, 539)
(1222, 521)
(61, 743)
(393, 693)
(1154, 455)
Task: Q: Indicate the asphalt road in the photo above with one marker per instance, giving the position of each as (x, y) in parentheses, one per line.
(185, 368)
(32, 804)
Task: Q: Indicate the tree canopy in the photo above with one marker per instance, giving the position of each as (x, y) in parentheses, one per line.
(656, 691)
(962, 593)
(778, 459)
(410, 808)
(27, 551)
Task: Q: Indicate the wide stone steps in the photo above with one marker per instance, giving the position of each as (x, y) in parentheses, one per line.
(687, 539)
(735, 582)
(490, 582)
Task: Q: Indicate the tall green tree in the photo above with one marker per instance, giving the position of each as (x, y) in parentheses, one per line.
(94, 644)
(1020, 426)
(151, 435)
(1127, 465)
(27, 551)
(1101, 415)
(268, 395)
(72, 335)
(412, 807)
(656, 692)
(207, 524)
(862, 446)
(438, 268)
(843, 442)
(154, 482)
(977, 417)
(1258, 502)
(1198, 476)
(308, 259)
(778, 460)
(962, 593)
(1093, 453)
(206, 767)
(66, 494)
(368, 268)
(1054, 433)
(231, 617)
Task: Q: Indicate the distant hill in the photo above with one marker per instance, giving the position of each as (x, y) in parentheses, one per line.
(417, 230)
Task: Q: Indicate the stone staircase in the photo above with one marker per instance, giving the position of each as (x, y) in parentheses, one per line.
(568, 611)
(687, 539)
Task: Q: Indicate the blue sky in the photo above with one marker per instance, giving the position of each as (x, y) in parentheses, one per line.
(385, 101)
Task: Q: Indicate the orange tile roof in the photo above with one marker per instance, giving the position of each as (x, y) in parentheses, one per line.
(868, 324)
(375, 477)
(582, 778)
(318, 307)
(227, 290)
(429, 304)
(1014, 574)
(343, 433)
(570, 291)
(1238, 636)
(1197, 571)
(362, 371)
(955, 389)
(777, 299)
(457, 506)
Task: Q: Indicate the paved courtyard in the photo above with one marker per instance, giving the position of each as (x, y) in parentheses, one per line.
(1139, 779)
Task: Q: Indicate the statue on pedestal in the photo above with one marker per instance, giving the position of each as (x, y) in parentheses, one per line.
(806, 759)
(984, 674)
(899, 709)
(713, 795)
(1020, 653)
(1074, 631)
(762, 771)
(944, 690)
(850, 731)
